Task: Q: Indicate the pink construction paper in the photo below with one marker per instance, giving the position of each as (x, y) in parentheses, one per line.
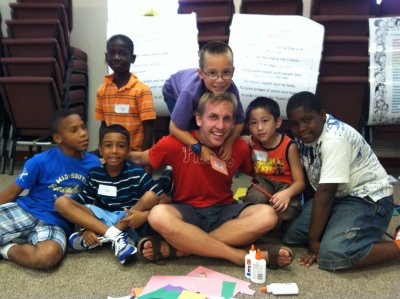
(208, 286)
(242, 286)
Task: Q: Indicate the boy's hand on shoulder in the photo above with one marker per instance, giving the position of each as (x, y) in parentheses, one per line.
(90, 237)
(247, 139)
(206, 153)
(225, 151)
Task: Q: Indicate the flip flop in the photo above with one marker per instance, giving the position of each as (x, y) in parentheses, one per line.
(396, 235)
(273, 253)
(156, 245)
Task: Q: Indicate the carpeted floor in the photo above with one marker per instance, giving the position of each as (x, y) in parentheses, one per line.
(98, 274)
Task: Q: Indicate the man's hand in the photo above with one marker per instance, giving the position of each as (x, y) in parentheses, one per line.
(148, 169)
(313, 254)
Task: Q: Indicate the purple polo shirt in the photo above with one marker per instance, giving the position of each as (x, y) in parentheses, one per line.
(186, 88)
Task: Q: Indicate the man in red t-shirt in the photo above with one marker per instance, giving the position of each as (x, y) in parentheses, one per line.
(204, 219)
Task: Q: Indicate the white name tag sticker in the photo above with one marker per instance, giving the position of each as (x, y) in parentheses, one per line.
(121, 108)
(260, 155)
(107, 190)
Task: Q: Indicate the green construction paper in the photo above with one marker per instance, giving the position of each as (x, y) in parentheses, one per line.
(395, 213)
(161, 294)
(228, 288)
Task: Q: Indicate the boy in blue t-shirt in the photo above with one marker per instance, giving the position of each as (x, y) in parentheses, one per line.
(117, 196)
(48, 175)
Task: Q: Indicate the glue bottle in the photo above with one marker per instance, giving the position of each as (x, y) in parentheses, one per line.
(248, 261)
(258, 269)
(281, 289)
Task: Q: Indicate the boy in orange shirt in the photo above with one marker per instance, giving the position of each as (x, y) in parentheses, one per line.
(123, 99)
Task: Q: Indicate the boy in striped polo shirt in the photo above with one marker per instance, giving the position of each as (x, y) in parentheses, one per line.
(116, 199)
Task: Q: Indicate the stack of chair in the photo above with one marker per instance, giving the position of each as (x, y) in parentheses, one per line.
(42, 72)
(343, 85)
(213, 18)
(389, 8)
(272, 7)
(4, 120)
(4, 123)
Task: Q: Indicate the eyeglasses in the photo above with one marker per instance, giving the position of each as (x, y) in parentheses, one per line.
(225, 75)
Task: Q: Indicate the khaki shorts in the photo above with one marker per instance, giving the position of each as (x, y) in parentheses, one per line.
(254, 195)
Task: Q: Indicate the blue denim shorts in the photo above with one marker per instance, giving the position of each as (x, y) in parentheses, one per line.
(22, 227)
(107, 217)
(210, 218)
(353, 226)
(112, 218)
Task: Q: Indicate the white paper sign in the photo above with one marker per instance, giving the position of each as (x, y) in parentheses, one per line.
(163, 45)
(384, 53)
(275, 56)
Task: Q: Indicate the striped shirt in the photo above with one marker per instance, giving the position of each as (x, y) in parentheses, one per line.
(117, 193)
(128, 106)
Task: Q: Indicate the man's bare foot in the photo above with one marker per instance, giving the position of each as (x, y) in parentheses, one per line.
(284, 258)
(154, 249)
(276, 256)
(148, 252)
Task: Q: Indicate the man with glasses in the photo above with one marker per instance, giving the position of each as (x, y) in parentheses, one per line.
(182, 92)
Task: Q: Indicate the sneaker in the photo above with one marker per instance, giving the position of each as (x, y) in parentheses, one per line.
(396, 235)
(76, 242)
(123, 249)
(166, 181)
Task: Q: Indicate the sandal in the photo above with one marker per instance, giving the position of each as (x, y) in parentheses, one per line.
(396, 235)
(156, 245)
(273, 253)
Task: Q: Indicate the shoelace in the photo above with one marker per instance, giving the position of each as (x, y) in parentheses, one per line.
(104, 239)
(119, 243)
(101, 240)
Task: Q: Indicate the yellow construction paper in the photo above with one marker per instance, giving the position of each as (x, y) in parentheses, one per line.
(239, 193)
(191, 295)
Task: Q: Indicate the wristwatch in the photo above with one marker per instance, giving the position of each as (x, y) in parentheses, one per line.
(196, 148)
